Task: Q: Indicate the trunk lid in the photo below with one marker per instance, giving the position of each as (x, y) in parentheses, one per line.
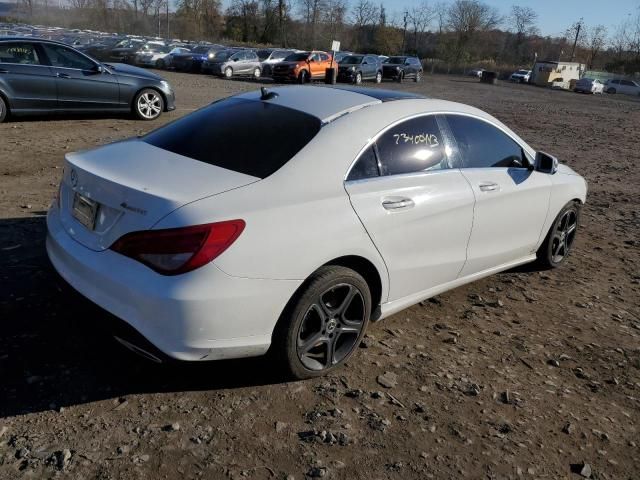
(131, 186)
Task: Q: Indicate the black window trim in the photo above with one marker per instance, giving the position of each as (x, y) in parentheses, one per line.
(526, 149)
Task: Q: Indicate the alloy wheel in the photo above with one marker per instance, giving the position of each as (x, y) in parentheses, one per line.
(378, 77)
(564, 236)
(358, 78)
(149, 105)
(256, 73)
(228, 72)
(331, 327)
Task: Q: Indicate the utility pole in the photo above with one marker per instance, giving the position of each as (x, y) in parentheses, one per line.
(578, 26)
(405, 22)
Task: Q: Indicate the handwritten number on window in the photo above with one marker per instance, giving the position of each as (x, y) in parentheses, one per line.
(417, 139)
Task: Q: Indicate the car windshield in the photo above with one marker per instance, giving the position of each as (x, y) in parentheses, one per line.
(219, 135)
(352, 60)
(201, 49)
(296, 57)
(395, 60)
(522, 72)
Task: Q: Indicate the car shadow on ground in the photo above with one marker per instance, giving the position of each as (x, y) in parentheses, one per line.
(55, 351)
(72, 116)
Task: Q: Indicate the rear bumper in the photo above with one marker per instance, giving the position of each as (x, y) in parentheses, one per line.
(202, 315)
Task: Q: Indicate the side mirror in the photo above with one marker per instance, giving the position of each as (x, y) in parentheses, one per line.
(312, 60)
(235, 59)
(98, 68)
(546, 163)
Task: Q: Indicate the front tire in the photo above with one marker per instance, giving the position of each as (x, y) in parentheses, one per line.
(228, 72)
(160, 63)
(611, 91)
(302, 77)
(3, 110)
(256, 74)
(400, 77)
(561, 236)
(358, 79)
(324, 322)
(148, 104)
(418, 77)
(379, 77)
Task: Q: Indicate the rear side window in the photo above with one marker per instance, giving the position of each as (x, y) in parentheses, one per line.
(415, 145)
(481, 145)
(365, 167)
(21, 53)
(251, 137)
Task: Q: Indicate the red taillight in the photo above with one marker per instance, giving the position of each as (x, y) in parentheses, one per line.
(179, 250)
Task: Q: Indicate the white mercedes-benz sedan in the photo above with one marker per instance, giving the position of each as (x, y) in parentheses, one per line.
(287, 220)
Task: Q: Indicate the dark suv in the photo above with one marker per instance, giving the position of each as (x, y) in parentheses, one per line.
(42, 76)
(402, 68)
(356, 68)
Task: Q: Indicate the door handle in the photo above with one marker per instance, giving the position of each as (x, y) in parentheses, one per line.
(489, 187)
(398, 203)
(63, 75)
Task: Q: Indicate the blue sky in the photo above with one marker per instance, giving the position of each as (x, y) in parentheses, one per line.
(554, 16)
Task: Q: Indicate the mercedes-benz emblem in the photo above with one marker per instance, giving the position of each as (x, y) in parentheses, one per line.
(74, 177)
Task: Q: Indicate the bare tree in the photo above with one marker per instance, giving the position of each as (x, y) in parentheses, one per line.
(364, 14)
(334, 17)
(522, 19)
(420, 18)
(596, 38)
(466, 18)
(441, 12)
(312, 14)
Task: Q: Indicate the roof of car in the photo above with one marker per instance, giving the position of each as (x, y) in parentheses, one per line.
(329, 103)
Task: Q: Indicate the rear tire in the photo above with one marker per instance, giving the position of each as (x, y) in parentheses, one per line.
(323, 323)
(4, 110)
(611, 90)
(561, 236)
(379, 77)
(160, 63)
(358, 79)
(400, 77)
(256, 74)
(418, 77)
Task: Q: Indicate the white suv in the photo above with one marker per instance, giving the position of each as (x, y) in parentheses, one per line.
(521, 76)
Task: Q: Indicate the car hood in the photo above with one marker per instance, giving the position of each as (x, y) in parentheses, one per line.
(131, 71)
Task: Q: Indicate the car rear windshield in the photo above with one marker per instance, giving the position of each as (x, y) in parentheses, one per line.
(395, 60)
(252, 137)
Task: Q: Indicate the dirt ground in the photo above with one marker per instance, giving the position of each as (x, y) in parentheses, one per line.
(525, 374)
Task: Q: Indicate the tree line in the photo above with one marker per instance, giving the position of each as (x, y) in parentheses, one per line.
(456, 32)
